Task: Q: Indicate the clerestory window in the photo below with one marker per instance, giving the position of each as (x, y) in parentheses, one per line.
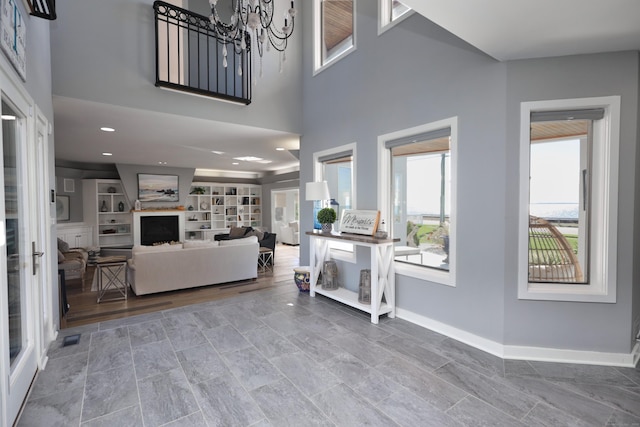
(334, 31)
(390, 12)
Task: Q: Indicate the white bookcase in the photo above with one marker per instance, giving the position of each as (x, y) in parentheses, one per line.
(213, 208)
(107, 209)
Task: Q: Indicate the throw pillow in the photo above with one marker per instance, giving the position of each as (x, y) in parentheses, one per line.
(63, 246)
(60, 257)
(236, 232)
(258, 234)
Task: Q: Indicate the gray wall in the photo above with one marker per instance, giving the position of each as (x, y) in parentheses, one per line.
(417, 73)
(109, 49)
(600, 327)
(129, 176)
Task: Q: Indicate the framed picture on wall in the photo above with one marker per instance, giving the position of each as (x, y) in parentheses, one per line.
(157, 188)
(62, 208)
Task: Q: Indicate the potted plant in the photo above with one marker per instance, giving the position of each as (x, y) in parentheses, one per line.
(326, 218)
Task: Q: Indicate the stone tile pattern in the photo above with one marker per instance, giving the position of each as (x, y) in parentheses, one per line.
(280, 358)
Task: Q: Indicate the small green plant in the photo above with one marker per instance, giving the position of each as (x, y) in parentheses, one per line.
(326, 216)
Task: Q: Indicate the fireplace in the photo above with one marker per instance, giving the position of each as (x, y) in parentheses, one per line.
(151, 227)
(159, 229)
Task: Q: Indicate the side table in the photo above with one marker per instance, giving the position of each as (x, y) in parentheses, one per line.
(113, 269)
(265, 259)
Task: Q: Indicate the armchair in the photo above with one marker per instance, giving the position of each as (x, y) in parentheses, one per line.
(289, 234)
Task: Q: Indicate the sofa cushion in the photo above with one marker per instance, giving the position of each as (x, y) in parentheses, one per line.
(60, 256)
(190, 244)
(235, 232)
(257, 233)
(63, 246)
(243, 241)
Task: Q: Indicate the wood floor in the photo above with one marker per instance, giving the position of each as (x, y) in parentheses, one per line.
(84, 309)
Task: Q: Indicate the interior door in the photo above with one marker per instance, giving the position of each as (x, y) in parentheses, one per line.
(16, 251)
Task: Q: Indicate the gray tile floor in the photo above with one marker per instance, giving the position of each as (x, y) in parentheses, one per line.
(279, 358)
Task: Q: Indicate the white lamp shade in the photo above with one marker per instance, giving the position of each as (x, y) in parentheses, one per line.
(317, 191)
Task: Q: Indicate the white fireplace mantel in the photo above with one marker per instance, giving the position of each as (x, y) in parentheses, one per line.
(138, 214)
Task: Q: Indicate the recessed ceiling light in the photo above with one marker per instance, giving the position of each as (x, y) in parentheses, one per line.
(248, 159)
(162, 163)
(217, 152)
(107, 154)
(8, 117)
(235, 163)
(279, 149)
(106, 129)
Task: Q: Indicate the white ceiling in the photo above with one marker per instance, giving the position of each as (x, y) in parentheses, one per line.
(519, 29)
(504, 29)
(148, 138)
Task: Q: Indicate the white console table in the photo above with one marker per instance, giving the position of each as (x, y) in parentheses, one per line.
(382, 272)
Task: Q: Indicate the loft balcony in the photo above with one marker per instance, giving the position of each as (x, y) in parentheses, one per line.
(192, 56)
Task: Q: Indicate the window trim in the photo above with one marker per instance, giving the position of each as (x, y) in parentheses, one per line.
(318, 65)
(340, 251)
(447, 278)
(385, 22)
(604, 193)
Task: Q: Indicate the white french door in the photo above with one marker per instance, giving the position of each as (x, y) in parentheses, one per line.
(19, 251)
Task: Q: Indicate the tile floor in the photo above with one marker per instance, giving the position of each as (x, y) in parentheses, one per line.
(279, 358)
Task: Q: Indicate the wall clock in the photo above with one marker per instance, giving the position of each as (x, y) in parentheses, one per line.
(14, 33)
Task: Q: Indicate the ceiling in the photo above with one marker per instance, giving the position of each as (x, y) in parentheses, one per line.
(503, 29)
(519, 29)
(149, 138)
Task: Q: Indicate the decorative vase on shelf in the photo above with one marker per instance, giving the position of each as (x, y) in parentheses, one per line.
(121, 207)
(137, 205)
(103, 207)
(326, 228)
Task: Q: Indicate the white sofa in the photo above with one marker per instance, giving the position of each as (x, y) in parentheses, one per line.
(194, 263)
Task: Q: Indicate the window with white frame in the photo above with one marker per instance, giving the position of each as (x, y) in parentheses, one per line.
(391, 12)
(334, 31)
(568, 201)
(336, 166)
(418, 198)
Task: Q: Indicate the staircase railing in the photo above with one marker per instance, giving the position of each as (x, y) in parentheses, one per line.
(191, 56)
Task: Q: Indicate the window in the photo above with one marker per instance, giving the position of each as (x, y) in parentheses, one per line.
(336, 166)
(390, 12)
(334, 31)
(418, 168)
(568, 200)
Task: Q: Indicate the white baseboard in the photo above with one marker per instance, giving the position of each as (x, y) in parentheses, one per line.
(515, 352)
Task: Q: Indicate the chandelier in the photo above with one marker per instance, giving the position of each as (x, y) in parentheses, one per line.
(255, 19)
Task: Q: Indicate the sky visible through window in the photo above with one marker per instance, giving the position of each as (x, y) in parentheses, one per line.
(555, 179)
(423, 185)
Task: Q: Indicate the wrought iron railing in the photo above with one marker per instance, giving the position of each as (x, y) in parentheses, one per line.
(191, 56)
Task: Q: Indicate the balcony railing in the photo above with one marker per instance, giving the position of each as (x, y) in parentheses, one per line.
(190, 56)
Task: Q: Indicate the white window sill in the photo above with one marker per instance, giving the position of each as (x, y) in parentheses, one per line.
(424, 273)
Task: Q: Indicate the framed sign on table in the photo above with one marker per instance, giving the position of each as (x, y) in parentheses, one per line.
(359, 221)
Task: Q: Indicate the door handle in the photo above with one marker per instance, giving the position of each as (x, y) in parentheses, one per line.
(34, 255)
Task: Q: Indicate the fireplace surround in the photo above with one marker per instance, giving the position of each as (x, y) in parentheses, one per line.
(160, 226)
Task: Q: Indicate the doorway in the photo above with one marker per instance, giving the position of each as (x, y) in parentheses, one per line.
(285, 213)
(23, 231)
